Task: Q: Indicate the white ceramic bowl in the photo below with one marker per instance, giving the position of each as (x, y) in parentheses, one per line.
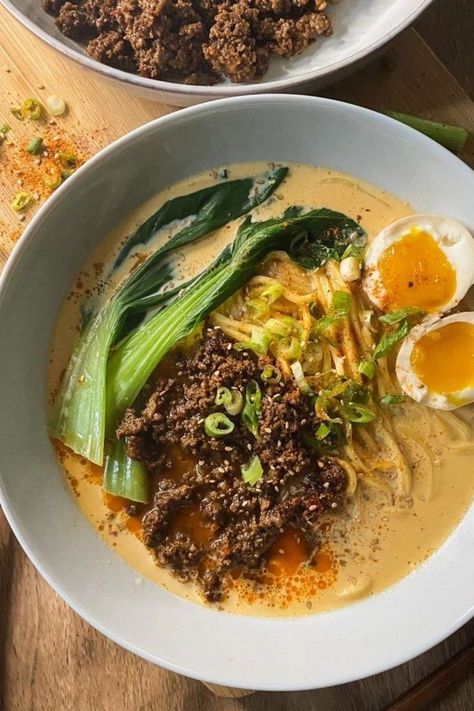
(256, 653)
(361, 27)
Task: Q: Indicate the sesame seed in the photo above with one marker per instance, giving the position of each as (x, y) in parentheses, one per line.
(313, 507)
(201, 462)
(279, 443)
(334, 505)
(304, 421)
(228, 449)
(326, 485)
(276, 488)
(249, 447)
(281, 551)
(287, 425)
(226, 462)
(267, 430)
(320, 464)
(221, 470)
(229, 347)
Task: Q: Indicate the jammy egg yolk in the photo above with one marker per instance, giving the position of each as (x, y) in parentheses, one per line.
(444, 359)
(416, 272)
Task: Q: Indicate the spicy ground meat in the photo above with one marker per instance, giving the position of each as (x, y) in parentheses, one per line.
(242, 521)
(191, 41)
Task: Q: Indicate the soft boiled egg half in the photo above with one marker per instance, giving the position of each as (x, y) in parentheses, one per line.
(435, 365)
(421, 260)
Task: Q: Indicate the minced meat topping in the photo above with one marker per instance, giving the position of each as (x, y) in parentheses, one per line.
(240, 522)
(192, 41)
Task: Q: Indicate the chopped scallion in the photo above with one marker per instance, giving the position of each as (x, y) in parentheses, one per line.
(218, 425)
(392, 399)
(367, 368)
(355, 412)
(252, 472)
(322, 431)
(55, 105)
(452, 137)
(399, 314)
(271, 374)
(21, 201)
(231, 399)
(35, 146)
(31, 109)
(297, 370)
(252, 409)
(289, 349)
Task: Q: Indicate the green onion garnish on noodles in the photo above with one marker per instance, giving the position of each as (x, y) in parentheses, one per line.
(392, 399)
(297, 370)
(232, 400)
(322, 431)
(452, 137)
(124, 476)
(355, 412)
(252, 472)
(367, 368)
(258, 343)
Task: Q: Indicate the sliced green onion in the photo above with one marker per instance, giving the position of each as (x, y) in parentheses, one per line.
(35, 146)
(124, 476)
(399, 314)
(278, 327)
(256, 307)
(258, 343)
(55, 105)
(321, 407)
(31, 109)
(289, 348)
(53, 180)
(297, 370)
(341, 302)
(353, 251)
(252, 472)
(452, 137)
(218, 425)
(270, 374)
(355, 412)
(322, 431)
(367, 368)
(231, 399)
(68, 159)
(21, 201)
(252, 408)
(5, 128)
(272, 292)
(392, 399)
(391, 338)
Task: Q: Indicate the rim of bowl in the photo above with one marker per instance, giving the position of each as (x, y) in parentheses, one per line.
(419, 646)
(218, 90)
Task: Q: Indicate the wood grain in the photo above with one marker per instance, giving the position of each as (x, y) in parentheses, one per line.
(50, 660)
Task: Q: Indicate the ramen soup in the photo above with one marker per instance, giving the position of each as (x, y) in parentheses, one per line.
(249, 415)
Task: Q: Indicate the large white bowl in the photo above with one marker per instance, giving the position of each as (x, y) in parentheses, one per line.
(361, 27)
(257, 653)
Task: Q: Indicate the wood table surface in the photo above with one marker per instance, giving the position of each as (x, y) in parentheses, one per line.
(50, 659)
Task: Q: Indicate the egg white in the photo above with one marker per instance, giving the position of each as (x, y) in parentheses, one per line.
(452, 237)
(410, 382)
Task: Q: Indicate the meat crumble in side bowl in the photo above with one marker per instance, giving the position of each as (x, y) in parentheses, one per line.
(189, 51)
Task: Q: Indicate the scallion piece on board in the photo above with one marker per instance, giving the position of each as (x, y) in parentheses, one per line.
(452, 137)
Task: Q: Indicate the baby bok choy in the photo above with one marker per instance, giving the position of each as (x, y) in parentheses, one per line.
(79, 415)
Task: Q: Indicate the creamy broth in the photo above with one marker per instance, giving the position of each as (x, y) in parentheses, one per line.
(365, 548)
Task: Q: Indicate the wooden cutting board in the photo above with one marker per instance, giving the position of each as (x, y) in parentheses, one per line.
(50, 660)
